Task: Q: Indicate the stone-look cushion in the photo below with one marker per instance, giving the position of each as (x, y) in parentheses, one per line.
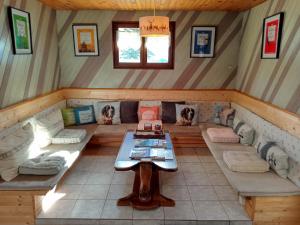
(294, 172)
(129, 111)
(47, 127)
(108, 113)
(274, 155)
(69, 136)
(246, 133)
(84, 114)
(153, 123)
(187, 115)
(16, 148)
(68, 116)
(149, 112)
(169, 111)
(223, 135)
(227, 117)
(244, 161)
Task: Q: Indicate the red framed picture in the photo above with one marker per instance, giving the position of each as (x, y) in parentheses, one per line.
(272, 31)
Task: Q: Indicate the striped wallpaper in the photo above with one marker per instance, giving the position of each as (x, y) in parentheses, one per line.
(98, 72)
(26, 76)
(273, 80)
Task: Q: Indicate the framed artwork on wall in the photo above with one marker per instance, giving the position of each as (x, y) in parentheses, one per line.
(85, 39)
(203, 42)
(271, 38)
(20, 29)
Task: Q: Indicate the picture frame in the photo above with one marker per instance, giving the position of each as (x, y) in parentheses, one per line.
(85, 38)
(20, 29)
(203, 41)
(271, 36)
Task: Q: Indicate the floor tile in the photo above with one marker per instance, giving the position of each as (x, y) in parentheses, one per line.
(106, 158)
(217, 179)
(98, 191)
(191, 167)
(172, 178)
(211, 222)
(69, 191)
(206, 158)
(202, 193)
(103, 167)
(148, 222)
(226, 193)
(115, 222)
(187, 158)
(89, 209)
(60, 209)
(117, 191)
(180, 222)
(149, 214)
(209, 210)
(183, 210)
(243, 222)
(85, 163)
(211, 167)
(112, 211)
(175, 192)
(123, 177)
(234, 210)
(76, 177)
(100, 178)
(196, 179)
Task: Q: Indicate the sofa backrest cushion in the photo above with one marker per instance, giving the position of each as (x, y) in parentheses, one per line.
(187, 115)
(169, 111)
(128, 111)
(84, 114)
(108, 113)
(68, 115)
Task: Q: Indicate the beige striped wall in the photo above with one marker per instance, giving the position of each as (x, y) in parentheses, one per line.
(98, 72)
(26, 76)
(273, 80)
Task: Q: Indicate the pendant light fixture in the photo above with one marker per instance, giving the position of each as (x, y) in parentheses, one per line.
(154, 26)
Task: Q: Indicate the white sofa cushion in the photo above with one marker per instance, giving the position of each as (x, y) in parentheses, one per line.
(245, 161)
(47, 127)
(16, 148)
(69, 136)
(222, 135)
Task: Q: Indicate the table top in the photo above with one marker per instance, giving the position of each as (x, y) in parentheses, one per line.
(124, 162)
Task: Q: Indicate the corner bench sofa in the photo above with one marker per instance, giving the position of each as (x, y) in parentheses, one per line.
(269, 199)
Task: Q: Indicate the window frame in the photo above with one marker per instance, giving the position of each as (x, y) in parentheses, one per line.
(143, 52)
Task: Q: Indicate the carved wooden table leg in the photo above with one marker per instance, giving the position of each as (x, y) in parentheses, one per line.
(145, 182)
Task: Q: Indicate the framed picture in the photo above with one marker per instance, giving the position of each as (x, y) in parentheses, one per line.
(272, 31)
(85, 39)
(20, 29)
(203, 42)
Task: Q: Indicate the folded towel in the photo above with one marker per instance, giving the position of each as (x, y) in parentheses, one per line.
(43, 165)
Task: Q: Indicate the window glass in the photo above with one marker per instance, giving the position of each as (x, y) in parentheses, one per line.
(158, 49)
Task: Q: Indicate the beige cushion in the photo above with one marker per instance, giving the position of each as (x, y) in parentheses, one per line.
(223, 135)
(47, 127)
(69, 136)
(242, 161)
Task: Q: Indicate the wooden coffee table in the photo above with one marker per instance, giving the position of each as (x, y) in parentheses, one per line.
(145, 193)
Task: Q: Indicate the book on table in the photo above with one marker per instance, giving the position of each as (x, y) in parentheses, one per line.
(152, 153)
(152, 143)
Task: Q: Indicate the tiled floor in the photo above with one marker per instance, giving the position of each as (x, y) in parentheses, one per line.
(88, 194)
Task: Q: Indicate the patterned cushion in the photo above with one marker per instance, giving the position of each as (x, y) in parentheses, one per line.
(227, 117)
(16, 148)
(69, 136)
(236, 121)
(150, 103)
(84, 114)
(294, 172)
(47, 127)
(149, 112)
(245, 132)
(245, 161)
(186, 115)
(108, 113)
(274, 155)
(223, 135)
(68, 116)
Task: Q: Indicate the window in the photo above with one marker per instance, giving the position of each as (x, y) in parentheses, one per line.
(132, 51)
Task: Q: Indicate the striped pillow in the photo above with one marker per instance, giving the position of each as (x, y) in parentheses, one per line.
(68, 116)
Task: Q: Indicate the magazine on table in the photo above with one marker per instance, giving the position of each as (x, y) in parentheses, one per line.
(152, 143)
(153, 153)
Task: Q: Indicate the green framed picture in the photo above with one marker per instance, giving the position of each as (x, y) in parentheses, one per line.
(20, 29)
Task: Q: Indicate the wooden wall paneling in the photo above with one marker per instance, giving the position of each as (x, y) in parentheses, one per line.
(237, 5)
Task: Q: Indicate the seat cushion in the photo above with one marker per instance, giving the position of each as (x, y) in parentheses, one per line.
(69, 136)
(223, 135)
(244, 161)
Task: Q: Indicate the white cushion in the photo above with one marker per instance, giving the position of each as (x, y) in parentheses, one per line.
(245, 161)
(16, 148)
(47, 127)
(69, 136)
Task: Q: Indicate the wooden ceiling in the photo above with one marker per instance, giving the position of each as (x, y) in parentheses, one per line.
(201, 5)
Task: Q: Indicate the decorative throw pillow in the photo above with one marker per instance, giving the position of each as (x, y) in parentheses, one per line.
(246, 133)
(84, 114)
(128, 111)
(47, 127)
(68, 116)
(236, 122)
(108, 113)
(274, 155)
(149, 113)
(227, 117)
(294, 172)
(187, 115)
(169, 111)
